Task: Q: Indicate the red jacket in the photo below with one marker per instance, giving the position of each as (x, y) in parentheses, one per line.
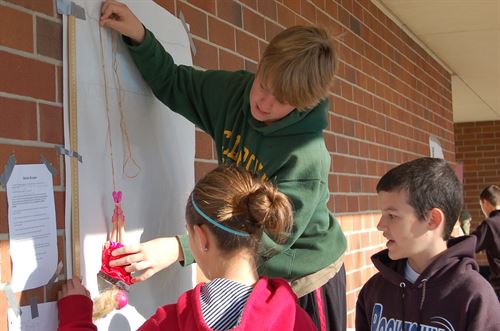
(272, 305)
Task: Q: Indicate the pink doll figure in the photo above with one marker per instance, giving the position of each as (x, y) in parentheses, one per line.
(116, 281)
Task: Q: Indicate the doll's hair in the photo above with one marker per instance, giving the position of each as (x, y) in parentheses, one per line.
(105, 303)
(299, 65)
(243, 204)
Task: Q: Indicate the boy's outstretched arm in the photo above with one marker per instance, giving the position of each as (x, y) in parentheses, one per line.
(119, 17)
(149, 257)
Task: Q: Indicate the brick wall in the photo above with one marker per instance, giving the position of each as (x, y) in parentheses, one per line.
(389, 95)
(477, 145)
(31, 116)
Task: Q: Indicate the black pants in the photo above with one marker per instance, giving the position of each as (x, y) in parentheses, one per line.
(333, 297)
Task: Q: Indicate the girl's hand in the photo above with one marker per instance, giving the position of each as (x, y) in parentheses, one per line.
(148, 257)
(119, 17)
(72, 287)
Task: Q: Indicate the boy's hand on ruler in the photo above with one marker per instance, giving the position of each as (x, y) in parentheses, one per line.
(72, 287)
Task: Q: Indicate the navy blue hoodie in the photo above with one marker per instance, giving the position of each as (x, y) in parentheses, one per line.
(448, 295)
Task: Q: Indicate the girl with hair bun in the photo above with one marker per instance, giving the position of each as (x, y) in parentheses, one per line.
(227, 214)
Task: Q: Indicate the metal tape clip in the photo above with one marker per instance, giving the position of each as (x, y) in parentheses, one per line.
(69, 8)
(191, 42)
(7, 171)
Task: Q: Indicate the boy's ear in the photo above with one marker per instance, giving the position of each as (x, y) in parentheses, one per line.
(202, 237)
(436, 218)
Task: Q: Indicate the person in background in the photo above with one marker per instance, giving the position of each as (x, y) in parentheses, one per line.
(465, 219)
(488, 233)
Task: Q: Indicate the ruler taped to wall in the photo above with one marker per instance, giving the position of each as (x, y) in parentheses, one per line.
(73, 136)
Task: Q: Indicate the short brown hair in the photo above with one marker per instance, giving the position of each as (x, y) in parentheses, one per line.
(491, 193)
(242, 202)
(298, 66)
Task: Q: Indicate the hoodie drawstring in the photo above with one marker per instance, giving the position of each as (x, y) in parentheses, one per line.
(422, 285)
(402, 286)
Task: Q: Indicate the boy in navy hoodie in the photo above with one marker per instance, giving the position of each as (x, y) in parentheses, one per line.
(488, 232)
(425, 281)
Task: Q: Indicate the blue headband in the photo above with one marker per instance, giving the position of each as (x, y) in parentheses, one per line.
(217, 224)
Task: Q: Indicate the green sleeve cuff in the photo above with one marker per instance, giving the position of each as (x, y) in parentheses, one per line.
(148, 39)
(186, 250)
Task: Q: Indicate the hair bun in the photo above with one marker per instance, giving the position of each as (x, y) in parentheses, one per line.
(266, 209)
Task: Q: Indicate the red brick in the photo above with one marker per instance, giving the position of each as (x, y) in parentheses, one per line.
(49, 38)
(293, 5)
(254, 23)
(25, 299)
(340, 204)
(3, 316)
(51, 292)
(229, 61)
(299, 20)
(5, 261)
(272, 29)
(4, 221)
(51, 124)
(221, 33)
(247, 45)
(319, 3)
(286, 17)
(250, 66)
(308, 11)
(59, 84)
(230, 12)
(202, 168)
(59, 201)
(27, 77)
(18, 119)
(251, 3)
(17, 29)
(42, 6)
(203, 146)
(204, 5)
(267, 8)
(206, 55)
(196, 19)
(167, 4)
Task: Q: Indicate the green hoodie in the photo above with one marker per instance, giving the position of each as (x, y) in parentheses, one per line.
(291, 152)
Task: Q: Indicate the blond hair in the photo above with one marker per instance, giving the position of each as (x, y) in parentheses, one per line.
(241, 202)
(105, 303)
(298, 66)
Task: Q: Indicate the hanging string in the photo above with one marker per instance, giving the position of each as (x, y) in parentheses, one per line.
(128, 155)
(106, 106)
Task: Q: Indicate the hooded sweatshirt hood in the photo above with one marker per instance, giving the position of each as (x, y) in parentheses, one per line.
(295, 123)
(448, 295)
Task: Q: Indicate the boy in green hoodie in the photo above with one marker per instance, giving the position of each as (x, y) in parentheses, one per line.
(270, 123)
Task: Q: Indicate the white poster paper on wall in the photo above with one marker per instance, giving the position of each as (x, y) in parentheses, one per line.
(45, 321)
(155, 190)
(32, 226)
